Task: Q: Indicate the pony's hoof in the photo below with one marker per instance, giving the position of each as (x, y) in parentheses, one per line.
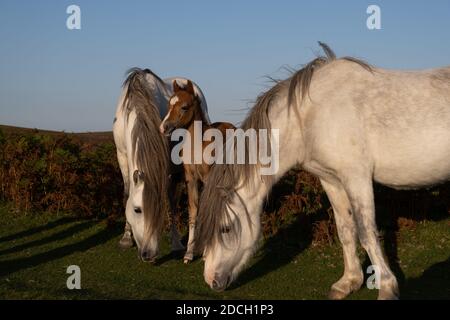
(188, 258)
(389, 290)
(387, 295)
(335, 294)
(343, 288)
(126, 243)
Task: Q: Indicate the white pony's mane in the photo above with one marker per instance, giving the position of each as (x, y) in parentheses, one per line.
(150, 148)
(224, 179)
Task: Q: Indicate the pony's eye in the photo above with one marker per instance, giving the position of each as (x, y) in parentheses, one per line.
(185, 108)
(137, 210)
(225, 229)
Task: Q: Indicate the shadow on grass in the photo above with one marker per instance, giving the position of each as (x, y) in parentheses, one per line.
(54, 237)
(173, 255)
(279, 250)
(391, 205)
(99, 238)
(416, 205)
(30, 232)
(434, 283)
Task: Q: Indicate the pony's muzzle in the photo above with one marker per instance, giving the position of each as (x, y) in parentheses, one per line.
(148, 256)
(220, 282)
(167, 128)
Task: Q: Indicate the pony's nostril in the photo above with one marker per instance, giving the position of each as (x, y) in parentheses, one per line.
(168, 128)
(146, 256)
(220, 282)
(218, 285)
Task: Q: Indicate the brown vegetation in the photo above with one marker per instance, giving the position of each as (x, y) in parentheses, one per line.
(59, 172)
(78, 173)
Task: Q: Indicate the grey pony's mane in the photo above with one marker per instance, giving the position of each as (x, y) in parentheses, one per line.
(223, 179)
(150, 148)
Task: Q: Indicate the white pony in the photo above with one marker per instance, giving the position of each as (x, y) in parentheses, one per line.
(347, 123)
(143, 155)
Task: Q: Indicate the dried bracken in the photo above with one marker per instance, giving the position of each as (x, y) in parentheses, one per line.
(61, 173)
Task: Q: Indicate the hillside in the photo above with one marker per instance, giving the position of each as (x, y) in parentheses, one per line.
(85, 137)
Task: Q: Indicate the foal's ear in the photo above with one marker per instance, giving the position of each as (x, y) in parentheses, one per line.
(190, 87)
(175, 85)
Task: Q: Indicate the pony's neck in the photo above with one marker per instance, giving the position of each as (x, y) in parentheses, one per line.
(198, 116)
(289, 153)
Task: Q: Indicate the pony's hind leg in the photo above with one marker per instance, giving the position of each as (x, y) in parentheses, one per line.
(353, 276)
(127, 239)
(360, 191)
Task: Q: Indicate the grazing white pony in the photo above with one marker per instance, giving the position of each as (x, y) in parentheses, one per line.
(143, 155)
(347, 123)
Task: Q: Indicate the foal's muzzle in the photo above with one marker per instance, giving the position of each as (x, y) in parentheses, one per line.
(167, 128)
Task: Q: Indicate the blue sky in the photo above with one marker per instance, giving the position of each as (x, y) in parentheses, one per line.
(54, 78)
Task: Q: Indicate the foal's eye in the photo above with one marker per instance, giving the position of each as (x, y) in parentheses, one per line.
(225, 229)
(137, 210)
(185, 108)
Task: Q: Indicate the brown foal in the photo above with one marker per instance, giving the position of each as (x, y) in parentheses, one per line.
(184, 110)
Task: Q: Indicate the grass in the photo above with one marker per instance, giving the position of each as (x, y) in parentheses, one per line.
(35, 251)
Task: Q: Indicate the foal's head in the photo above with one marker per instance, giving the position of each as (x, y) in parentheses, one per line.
(183, 106)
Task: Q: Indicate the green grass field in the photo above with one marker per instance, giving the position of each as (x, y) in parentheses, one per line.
(35, 251)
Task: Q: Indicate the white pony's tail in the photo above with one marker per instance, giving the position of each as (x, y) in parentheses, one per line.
(136, 83)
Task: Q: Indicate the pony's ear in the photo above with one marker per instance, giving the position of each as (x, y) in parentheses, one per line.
(138, 176)
(190, 87)
(176, 87)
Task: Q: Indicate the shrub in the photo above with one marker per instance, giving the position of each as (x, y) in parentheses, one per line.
(61, 173)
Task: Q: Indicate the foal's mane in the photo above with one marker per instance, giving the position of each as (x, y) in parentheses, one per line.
(150, 148)
(225, 179)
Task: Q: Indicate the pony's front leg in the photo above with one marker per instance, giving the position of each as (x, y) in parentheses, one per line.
(359, 188)
(127, 239)
(192, 186)
(353, 276)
